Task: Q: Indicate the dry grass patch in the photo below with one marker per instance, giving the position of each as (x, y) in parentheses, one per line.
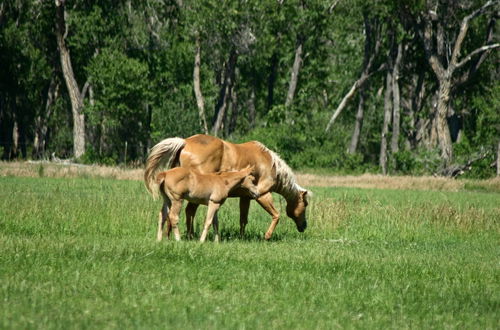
(71, 170)
(382, 182)
(67, 170)
(374, 181)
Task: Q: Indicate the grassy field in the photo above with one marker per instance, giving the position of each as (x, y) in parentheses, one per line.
(81, 253)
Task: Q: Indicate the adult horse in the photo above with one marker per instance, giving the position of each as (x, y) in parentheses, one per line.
(208, 154)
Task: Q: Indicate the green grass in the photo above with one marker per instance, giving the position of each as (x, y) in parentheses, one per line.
(81, 253)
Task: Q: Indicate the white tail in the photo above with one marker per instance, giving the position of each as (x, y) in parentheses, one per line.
(162, 155)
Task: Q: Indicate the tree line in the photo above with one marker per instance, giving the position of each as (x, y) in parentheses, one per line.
(346, 85)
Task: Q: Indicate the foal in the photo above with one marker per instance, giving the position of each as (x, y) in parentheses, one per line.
(208, 189)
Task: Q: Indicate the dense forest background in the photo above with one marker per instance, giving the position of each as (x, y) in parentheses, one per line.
(396, 87)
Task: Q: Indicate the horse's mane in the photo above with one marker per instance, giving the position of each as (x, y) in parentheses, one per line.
(286, 183)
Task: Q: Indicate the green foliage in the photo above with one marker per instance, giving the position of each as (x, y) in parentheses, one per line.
(122, 90)
(138, 59)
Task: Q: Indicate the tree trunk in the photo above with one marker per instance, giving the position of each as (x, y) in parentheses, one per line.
(342, 104)
(252, 114)
(14, 151)
(234, 114)
(372, 46)
(396, 101)
(443, 131)
(197, 85)
(225, 94)
(271, 80)
(41, 126)
(417, 98)
(71, 84)
(387, 121)
(498, 158)
(435, 43)
(295, 73)
(358, 124)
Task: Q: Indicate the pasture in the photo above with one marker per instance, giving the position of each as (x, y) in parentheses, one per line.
(81, 253)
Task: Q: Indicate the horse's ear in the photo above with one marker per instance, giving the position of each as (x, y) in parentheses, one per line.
(305, 194)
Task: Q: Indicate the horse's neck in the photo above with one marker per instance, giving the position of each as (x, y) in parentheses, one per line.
(289, 193)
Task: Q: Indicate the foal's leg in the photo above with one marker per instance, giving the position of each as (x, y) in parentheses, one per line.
(266, 201)
(173, 217)
(212, 210)
(162, 218)
(215, 224)
(190, 213)
(244, 207)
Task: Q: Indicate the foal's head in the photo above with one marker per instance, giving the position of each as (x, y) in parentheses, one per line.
(247, 180)
(248, 184)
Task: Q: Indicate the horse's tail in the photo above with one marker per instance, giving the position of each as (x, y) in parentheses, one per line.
(160, 181)
(163, 154)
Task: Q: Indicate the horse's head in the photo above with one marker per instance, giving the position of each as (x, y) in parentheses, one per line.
(296, 209)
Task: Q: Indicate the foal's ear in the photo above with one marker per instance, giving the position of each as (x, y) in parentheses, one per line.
(250, 168)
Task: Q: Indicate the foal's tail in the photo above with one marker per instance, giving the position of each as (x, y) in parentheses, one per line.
(163, 154)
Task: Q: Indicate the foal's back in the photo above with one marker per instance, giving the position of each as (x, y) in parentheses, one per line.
(181, 183)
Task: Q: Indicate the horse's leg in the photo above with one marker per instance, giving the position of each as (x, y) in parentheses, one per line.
(244, 207)
(212, 210)
(173, 217)
(216, 227)
(162, 218)
(266, 201)
(190, 213)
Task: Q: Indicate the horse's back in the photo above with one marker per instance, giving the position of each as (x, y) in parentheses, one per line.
(202, 152)
(209, 154)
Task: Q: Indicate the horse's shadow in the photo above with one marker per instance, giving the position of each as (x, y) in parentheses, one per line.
(229, 235)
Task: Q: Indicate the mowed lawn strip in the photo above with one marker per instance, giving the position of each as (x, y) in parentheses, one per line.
(81, 253)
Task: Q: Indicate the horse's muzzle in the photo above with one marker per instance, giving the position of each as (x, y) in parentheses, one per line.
(302, 227)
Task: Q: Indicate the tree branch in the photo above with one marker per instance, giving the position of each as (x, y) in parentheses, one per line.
(332, 6)
(490, 32)
(464, 27)
(475, 52)
(342, 104)
(85, 89)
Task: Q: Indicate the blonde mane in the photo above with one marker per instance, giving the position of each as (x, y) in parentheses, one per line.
(286, 183)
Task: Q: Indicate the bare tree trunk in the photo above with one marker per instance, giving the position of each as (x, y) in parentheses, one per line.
(14, 151)
(387, 121)
(358, 124)
(396, 101)
(41, 127)
(197, 85)
(443, 131)
(295, 73)
(342, 104)
(445, 67)
(372, 46)
(498, 158)
(252, 114)
(234, 113)
(271, 80)
(73, 90)
(417, 97)
(225, 94)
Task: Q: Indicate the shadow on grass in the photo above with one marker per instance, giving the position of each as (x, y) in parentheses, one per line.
(230, 235)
